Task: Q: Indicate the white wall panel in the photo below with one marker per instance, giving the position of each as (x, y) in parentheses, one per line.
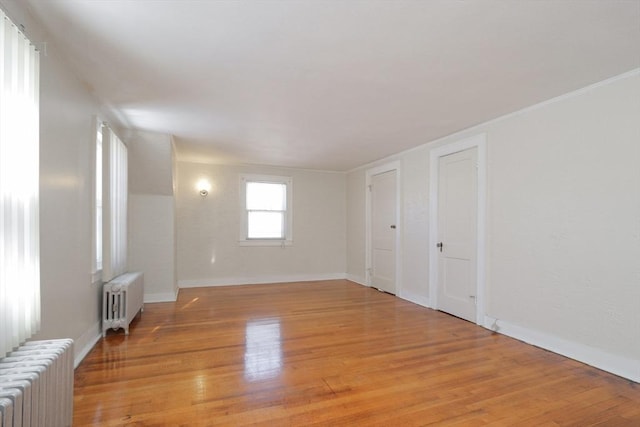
(152, 227)
(208, 228)
(152, 245)
(415, 227)
(151, 159)
(70, 303)
(356, 226)
(563, 218)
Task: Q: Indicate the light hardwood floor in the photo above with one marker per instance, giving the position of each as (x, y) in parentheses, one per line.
(332, 353)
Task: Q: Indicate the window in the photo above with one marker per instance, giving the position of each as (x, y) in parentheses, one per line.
(114, 205)
(109, 249)
(19, 187)
(266, 210)
(97, 203)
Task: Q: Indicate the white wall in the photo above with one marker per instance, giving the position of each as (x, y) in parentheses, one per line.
(209, 228)
(70, 303)
(152, 214)
(150, 163)
(563, 224)
(356, 227)
(152, 244)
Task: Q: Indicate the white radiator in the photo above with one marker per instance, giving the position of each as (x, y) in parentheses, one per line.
(36, 385)
(122, 300)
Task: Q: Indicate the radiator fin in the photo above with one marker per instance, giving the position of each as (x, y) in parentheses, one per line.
(6, 412)
(36, 385)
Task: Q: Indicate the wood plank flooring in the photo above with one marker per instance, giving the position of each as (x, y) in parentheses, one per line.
(332, 353)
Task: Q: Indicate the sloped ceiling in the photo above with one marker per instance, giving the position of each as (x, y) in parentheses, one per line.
(328, 84)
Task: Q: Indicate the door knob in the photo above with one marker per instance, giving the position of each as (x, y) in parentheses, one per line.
(393, 226)
(440, 245)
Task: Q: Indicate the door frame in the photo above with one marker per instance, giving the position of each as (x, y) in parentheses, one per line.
(387, 167)
(479, 142)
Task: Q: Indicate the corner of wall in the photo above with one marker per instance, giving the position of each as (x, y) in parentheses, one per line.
(160, 297)
(86, 342)
(414, 298)
(357, 279)
(600, 359)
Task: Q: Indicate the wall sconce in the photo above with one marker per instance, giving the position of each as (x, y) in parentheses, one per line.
(203, 187)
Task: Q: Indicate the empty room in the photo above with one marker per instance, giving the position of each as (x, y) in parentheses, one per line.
(319, 212)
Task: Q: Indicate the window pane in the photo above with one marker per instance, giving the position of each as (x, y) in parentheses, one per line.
(266, 196)
(265, 225)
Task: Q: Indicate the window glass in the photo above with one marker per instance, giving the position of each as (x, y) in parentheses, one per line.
(265, 225)
(266, 210)
(266, 196)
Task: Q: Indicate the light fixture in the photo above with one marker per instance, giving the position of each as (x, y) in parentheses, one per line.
(203, 187)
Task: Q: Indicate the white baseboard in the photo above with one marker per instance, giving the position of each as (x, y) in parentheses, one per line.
(160, 297)
(83, 345)
(227, 281)
(414, 298)
(356, 279)
(619, 365)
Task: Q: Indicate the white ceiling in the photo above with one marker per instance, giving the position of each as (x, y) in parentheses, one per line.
(332, 84)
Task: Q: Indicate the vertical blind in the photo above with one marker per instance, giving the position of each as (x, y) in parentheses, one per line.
(114, 205)
(98, 201)
(19, 181)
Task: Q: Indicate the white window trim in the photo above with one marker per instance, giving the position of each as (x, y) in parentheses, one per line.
(274, 179)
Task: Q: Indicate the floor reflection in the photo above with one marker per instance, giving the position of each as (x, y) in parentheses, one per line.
(263, 349)
(200, 386)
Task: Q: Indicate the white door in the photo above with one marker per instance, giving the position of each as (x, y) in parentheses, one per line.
(383, 231)
(457, 233)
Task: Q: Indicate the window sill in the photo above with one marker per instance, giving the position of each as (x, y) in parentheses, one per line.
(265, 242)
